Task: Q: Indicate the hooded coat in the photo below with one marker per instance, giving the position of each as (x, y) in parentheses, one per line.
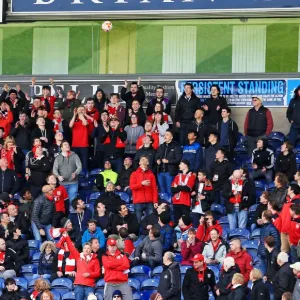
(263, 157)
(293, 111)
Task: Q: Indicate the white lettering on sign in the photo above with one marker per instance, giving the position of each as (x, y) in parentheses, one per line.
(100, 2)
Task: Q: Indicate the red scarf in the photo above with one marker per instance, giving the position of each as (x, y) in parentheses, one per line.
(70, 262)
(9, 155)
(236, 186)
(216, 245)
(183, 229)
(2, 257)
(201, 273)
(34, 295)
(56, 124)
(50, 198)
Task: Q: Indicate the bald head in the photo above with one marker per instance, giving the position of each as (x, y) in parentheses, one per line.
(3, 163)
(237, 174)
(47, 189)
(12, 210)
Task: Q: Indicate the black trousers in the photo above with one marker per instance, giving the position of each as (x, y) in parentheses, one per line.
(180, 210)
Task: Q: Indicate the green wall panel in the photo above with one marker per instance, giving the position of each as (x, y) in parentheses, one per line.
(282, 48)
(149, 50)
(17, 50)
(214, 48)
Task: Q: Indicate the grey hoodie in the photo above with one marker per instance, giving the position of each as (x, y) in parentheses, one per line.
(65, 166)
(133, 133)
(152, 248)
(296, 292)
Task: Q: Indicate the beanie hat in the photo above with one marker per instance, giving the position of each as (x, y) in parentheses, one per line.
(164, 217)
(12, 91)
(117, 293)
(186, 162)
(186, 219)
(64, 222)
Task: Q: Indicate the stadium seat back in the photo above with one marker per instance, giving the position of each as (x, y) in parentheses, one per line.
(134, 284)
(149, 284)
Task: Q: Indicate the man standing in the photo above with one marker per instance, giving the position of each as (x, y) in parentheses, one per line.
(9, 181)
(136, 93)
(43, 214)
(116, 267)
(296, 271)
(294, 236)
(293, 115)
(229, 132)
(211, 150)
(169, 282)
(184, 112)
(259, 290)
(67, 167)
(144, 189)
(168, 157)
(182, 187)
(258, 123)
(198, 280)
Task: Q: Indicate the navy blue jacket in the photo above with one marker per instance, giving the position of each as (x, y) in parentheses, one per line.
(193, 153)
(81, 227)
(268, 229)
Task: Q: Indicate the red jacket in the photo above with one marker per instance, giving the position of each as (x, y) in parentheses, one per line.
(6, 123)
(188, 253)
(155, 144)
(244, 261)
(142, 193)
(51, 100)
(114, 267)
(277, 222)
(294, 232)
(184, 186)
(203, 232)
(95, 115)
(84, 265)
(285, 213)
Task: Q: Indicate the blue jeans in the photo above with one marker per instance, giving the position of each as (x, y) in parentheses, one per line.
(293, 252)
(271, 289)
(165, 181)
(140, 207)
(261, 265)
(237, 219)
(293, 134)
(82, 291)
(36, 232)
(83, 153)
(72, 190)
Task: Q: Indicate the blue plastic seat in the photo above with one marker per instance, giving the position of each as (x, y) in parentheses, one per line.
(178, 257)
(56, 294)
(94, 173)
(140, 273)
(224, 234)
(297, 149)
(100, 285)
(251, 246)
(134, 284)
(34, 246)
(124, 197)
(62, 285)
(223, 221)
(156, 272)
(255, 234)
(145, 295)
(276, 139)
(252, 209)
(298, 161)
(240, 233)
(183, 269)
(94, 196)
(99, 295)
(130, 207)
(27, 271)
(69, 296)
(136, 296)
(35, 258)
(218, 210)
(21, 282)
(90, 206)
(2, 286)
(241, 139)
(271, 187)
(149, 284)
(248, 164)
(166, 197)
(17, 196)
(216, 271)
(83, 174)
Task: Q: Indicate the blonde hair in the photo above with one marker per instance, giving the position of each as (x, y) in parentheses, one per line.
(9, 139)
(48, 244)
(41, 285)
(238, 278)
(256, 274)
(48, 293)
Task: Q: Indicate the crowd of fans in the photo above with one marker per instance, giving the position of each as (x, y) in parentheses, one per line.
(157, 180)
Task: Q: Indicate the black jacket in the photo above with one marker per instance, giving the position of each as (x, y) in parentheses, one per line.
(284, 281)
(233, 133)
(259, 210)
(22, 136)
(247, 197)
(286, 164)
(67, 108)
(263, 157)
(20, 246)
(111, 201)
(37, 133)
(141, 116)
(170, 283)
(123, 177)
(293, 111)
(192, 288)
(9, 182)
(202, 129)
(223, 170)
(165, 102)
(10, 260)
(130, 220)
(224, 283)
(260, 291)
(14, 295)
(212, 115)
(173, 153)
(53, 151)
(149, 152)
(239, 293)
(43, 211)
(208, 192)
(257, 121)
(97, 134)
(39, 169)
(127, 96)
(151, 219)
(185, 109)
(109, 139)
(22, 222)
(279, 195)
(210, 156)
(271, 264)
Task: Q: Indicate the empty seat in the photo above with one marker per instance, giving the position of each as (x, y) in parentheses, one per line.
(156, 272)
(21, 282)
(240, 233)
(34, 246)
(35, 258)
(140, 273)
(62, 285)
(134, 284)
(93, 197)
(149, 284)
(124, 197)
(27, 271)
(251, 247)
(255, 234)
(100, 285)
(69, 296)
(218, 210)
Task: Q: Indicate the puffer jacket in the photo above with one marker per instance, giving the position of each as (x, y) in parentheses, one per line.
(170, 284)
(219, 254)
(268, 229)
(115, 267)
(172, 152)
(142, 193)
(84, 265)
(43, 211)
(260, 291)
(224, 284)
(111, 200)
(123, 177)
(152, 249)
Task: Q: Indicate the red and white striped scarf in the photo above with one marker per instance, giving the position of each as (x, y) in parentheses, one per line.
(70, 262)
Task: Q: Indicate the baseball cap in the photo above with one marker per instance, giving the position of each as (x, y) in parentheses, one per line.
(112, 242)
(198, 257)
(296, 266)
(257, 96)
